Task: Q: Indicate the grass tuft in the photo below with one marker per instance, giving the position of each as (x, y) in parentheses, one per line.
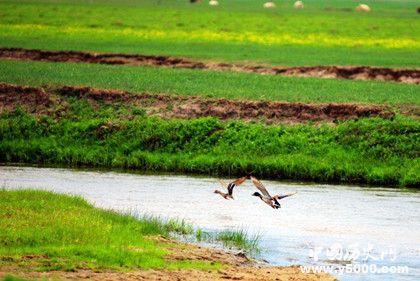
(155, 224)
(239, 239)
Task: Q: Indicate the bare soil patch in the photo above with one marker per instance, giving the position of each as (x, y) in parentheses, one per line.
(32, 99)
(231, 273)
(409, 76)
(42, 100)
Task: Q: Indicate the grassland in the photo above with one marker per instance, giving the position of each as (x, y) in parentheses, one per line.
(367, 151)
(207, 83)
(327, 32)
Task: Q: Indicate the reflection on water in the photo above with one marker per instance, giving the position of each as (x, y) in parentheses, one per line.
(317, 216)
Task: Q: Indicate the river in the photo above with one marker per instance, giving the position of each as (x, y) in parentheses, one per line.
(320, 225)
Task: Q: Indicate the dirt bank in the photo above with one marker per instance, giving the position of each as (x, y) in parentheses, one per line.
(33, 99)
(51, 100)
(410, 76)
(234, 267)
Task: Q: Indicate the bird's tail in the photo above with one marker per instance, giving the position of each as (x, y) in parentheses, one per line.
(276, 204)
(279, 197)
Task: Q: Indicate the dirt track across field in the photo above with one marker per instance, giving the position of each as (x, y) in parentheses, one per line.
(50, 100)
(409, 76)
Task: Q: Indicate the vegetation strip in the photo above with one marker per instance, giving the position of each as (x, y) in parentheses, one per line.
(215, 84)
(41, 100)
(54, 236)
(409, 76)
(72, 131)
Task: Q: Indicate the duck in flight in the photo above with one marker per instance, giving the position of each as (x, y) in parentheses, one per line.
(230, 187)
(272, 201)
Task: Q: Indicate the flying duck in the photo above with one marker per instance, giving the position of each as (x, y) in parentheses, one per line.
(230, 187)
(272, 201)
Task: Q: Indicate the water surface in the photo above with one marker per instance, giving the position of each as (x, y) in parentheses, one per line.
(317, 217)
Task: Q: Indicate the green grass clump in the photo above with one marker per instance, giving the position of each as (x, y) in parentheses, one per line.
(207, 83)
(367, 151)
(47, 231)
(239, 239)
(324, 32)
(157, 224)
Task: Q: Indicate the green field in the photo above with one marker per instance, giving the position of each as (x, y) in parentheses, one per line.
(325, 32)
(365, 151)
(208, 83)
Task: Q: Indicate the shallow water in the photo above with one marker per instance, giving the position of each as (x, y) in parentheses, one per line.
(387, 220)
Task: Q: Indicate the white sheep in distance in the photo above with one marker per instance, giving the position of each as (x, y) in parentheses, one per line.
(363, 8)
(298, 5)
(213, 3)
(269, 5)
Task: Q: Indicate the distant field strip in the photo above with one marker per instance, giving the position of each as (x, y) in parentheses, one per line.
(214, 84)
(320, 39)
(324, 33)
(410, 76)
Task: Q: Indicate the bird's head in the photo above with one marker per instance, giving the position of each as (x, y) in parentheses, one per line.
(256, 194)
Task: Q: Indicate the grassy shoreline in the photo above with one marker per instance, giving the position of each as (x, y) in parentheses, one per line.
(50, 236)
(80, 236)
(65, 232)
(368, 151)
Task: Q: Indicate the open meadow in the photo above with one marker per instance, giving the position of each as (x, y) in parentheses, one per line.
(323, 94)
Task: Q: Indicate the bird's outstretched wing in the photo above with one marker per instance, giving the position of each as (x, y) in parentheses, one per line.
(223, 184)
(278, 197)
(236, 182)
(260, 187)
(239, 181)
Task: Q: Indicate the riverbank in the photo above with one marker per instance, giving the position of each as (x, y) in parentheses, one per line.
(51, 236)
(84, 127)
